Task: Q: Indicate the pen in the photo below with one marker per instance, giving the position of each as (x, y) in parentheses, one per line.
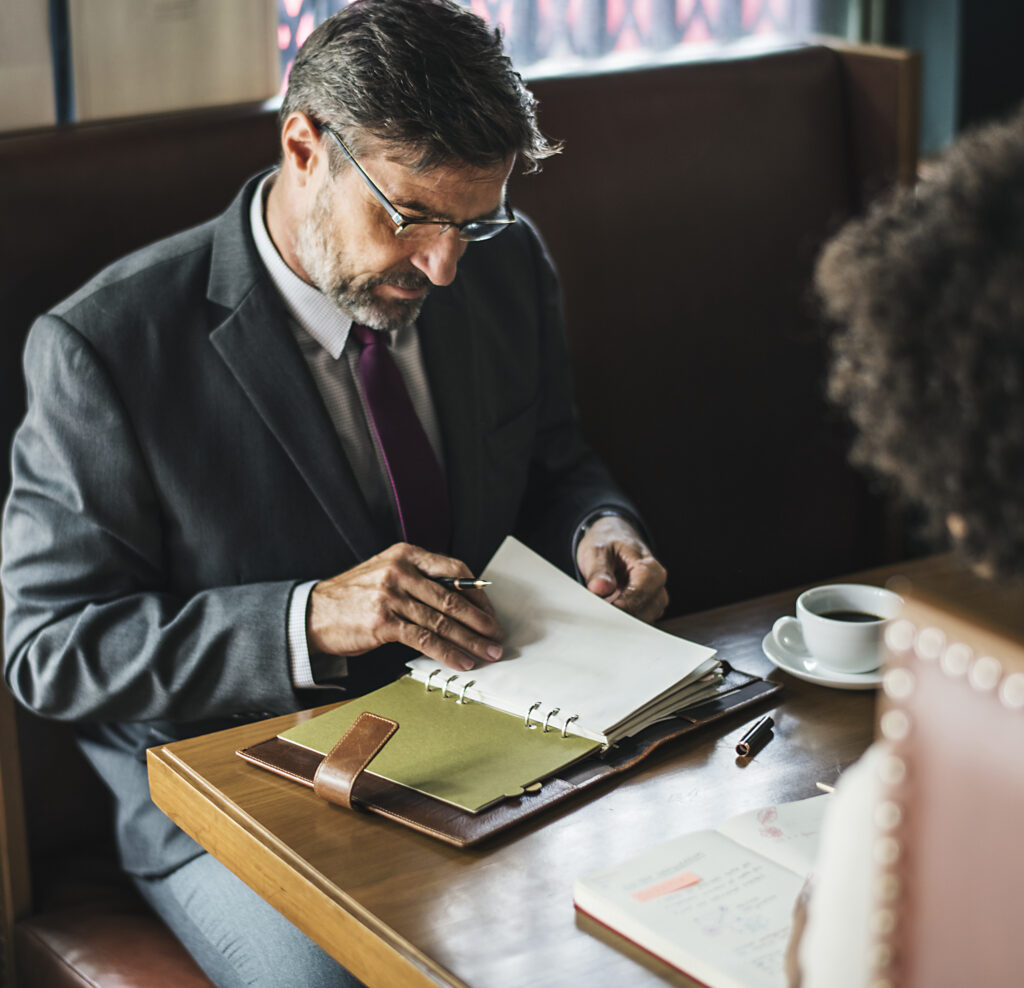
(457, 583)
(755, 736)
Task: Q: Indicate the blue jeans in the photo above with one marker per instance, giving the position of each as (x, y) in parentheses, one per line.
(234, 935)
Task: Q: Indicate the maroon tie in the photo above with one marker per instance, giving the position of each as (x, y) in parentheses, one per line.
(414, 474)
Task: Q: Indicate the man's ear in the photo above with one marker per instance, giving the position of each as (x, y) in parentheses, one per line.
(302, 151)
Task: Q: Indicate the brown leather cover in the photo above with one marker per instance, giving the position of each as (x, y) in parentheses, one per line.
(337, 775)
(461, 828)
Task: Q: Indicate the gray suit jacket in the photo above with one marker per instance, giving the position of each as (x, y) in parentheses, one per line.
(176, 475)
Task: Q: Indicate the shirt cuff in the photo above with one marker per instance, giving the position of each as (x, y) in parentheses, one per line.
(298, 647)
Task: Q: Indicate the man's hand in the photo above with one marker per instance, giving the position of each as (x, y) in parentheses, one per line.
(393, 598)
(617, 565)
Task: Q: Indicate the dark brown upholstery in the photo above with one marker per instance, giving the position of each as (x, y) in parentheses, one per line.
(91, 928)
(79, 922)
(76, 198)
(118, 947)
(684, 217)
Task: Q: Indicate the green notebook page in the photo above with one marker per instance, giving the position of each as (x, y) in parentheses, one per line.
(464, 753)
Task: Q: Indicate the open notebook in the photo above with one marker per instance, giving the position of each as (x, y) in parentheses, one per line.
(717, 904)
(572, 660)
(579, 677)
(577, 673)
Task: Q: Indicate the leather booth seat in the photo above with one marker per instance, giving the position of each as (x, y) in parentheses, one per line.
(86, 925)
(109, 942)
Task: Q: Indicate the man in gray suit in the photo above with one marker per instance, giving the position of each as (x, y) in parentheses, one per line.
(217, 505)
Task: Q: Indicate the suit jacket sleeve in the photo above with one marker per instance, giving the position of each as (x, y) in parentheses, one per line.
(91, 632)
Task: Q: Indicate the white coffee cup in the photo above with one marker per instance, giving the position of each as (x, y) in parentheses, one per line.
(841, 625)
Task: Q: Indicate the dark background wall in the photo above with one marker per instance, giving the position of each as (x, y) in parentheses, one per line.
(972, 64)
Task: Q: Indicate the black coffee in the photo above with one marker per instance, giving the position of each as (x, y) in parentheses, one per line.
(850, 616)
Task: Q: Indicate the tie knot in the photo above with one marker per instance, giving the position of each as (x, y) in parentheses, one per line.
(365, 335)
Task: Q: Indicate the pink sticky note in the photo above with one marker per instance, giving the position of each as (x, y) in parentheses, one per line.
(681, 881)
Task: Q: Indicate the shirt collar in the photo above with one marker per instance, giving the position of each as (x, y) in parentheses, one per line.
(317, 314)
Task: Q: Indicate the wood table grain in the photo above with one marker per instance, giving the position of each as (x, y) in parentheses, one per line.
(400, 908)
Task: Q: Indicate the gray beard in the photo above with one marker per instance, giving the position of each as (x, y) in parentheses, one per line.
(322, 262)
(370, 310)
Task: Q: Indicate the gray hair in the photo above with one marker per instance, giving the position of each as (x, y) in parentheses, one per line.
(426, 74)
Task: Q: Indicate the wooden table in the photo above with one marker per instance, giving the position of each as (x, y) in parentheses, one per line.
(399, 908)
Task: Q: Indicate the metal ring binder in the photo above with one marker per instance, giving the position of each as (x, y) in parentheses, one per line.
(526, 722)
(568, 721)
(444, 689)
(465, 686)
(430, 677)
(551, 713)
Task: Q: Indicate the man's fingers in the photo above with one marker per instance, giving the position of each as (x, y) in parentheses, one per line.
(444, 626)
(599, 566)
(603, 584)
(416, 578)
(371, 604)
(648, 605)
(480, 599)
(445, 598)
(461, 605)
(648, 609)
(434, 646)
(644, 594)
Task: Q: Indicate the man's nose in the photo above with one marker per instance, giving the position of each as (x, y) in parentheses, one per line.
(438, 257)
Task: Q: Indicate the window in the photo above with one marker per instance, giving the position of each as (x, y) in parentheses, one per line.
(540, 33)
(545, 36)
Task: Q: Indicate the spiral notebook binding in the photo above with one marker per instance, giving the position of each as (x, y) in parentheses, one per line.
(546, 723)
(460, 694)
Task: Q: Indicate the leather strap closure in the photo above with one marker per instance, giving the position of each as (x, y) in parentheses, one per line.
(339, 772)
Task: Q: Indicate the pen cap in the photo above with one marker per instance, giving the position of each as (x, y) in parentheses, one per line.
(759, 732)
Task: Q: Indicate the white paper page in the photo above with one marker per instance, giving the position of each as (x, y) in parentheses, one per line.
(787, 833)
(718, 912)
(568, 650)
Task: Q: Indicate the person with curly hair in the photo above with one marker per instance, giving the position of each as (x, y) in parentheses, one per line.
(928, 290)
(927, 295)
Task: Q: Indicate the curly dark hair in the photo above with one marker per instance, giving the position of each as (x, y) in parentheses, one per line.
(427, 74)
(928, 293)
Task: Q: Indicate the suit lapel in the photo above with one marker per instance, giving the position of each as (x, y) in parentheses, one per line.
(256, 344)
(448, 341)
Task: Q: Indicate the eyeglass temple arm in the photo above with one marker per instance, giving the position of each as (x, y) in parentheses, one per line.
(396, 217)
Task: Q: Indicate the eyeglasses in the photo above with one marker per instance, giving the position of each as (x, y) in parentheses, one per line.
(407, 227)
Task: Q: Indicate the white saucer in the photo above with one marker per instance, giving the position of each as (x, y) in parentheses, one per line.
(806, 667)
